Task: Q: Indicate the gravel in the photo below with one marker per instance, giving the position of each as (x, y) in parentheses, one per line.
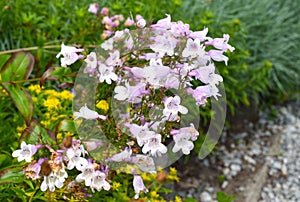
(244, 153)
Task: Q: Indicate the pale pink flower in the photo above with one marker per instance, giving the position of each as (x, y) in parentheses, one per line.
(217, 55)
(87, 174)
(121, 156)
(201, 35)
(26, 152)
(70, 55)
(207, 74)
(129, 22)
(221, 43)
(138, 185)
(172, 107)
(86, 113)
(163, 23)
(193, 49)
(93, 8)
(154, 146)
(99, 182)
(141, 23)
(106, 73)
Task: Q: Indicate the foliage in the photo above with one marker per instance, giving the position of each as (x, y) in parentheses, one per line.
(270, 38)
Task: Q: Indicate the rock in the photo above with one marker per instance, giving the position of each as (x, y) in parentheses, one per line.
(205, 197)
(235, 167)
(284, 170)
(249, 159)
(224, 184)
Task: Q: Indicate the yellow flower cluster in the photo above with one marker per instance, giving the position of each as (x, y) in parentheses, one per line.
(173, 175)
(102, 104)
(115, 185)
(52, 103)
(35, 88)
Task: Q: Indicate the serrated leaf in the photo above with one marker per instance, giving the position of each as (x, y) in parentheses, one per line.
(22, 100)
(18, 67)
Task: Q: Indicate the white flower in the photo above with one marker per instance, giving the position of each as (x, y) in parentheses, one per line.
(193, 49)
(108, 44)
(51, 181)
(183, 137)
(172, 107)
(164, 44)
(141, 23)
(182, 143)
(26, 152)
(92, 63)
(61, 174)
(114, 59)
(75, 159)
(130, 93)
(144, 162)
(88, 114)
(121, 156)
(138, 185)
(87, 174)
(207, 75)
(106, 74)
(141, 133)
(99, 182)
(70, 55)
(154, 146)
(156, 72)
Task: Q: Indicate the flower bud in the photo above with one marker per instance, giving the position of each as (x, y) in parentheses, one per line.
(161, 176)
(67, 142)
(45, 168)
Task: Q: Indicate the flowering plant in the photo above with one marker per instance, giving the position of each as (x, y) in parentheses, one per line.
(143, 84)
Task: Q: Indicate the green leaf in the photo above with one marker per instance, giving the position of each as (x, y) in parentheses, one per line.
(22, 100)
(5, 161)
(223, 197)
(66, 125)
(12, 175)
(18, 67)
(188, 199)
(54, 73)
(3, 60)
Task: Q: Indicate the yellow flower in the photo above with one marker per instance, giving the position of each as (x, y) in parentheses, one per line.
(35, 99)
(35, 88)
(178, 199)
(46, 123)
(66, 95)
(52, 93)
(52, 103)
(102, 104)
(154, 194)
(173, 175)
(59, 136)
(148, 176)
(115, 185)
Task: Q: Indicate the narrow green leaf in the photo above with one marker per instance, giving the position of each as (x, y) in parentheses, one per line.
(21, 99)
(18, 67)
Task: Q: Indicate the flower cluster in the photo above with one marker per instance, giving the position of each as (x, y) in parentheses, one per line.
(112, 23)
(72, 155)
(166, 64)
(153, 70)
